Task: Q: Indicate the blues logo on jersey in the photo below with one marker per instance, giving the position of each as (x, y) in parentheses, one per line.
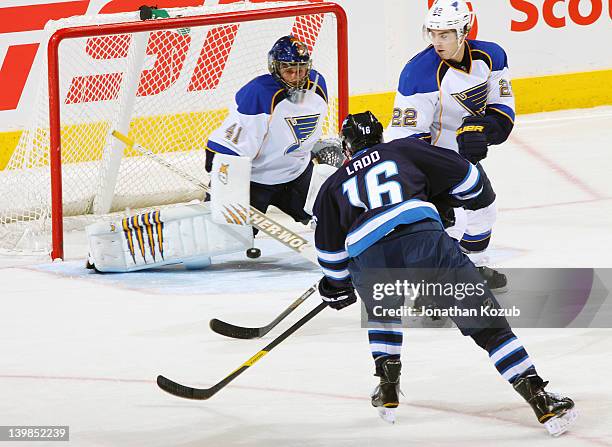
(302, 128)
(473, 99)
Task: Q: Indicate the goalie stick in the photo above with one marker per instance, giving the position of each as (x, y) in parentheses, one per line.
(258, 219)
(187, 392)
(230, 330)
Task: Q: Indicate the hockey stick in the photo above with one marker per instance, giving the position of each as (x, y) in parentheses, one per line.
(206, 393)
(258, 219)
(230, 330)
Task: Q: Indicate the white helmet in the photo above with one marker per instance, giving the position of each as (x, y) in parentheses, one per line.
(450, 14)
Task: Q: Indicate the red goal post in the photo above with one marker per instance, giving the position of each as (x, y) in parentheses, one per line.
(239, 17)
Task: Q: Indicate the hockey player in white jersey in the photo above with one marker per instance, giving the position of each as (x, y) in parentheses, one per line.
(456, 94)
(276, 120)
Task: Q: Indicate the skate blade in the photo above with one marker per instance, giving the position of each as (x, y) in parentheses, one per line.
(386, 414)
(559, 424)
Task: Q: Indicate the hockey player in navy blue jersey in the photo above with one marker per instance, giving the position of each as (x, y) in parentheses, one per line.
(457, 94)
(275, 121)
(377, 214)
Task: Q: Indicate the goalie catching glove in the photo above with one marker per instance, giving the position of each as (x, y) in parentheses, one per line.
(336, 297)
(329, 152)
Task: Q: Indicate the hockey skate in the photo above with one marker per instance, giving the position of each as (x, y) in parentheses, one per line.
(385, 396)
(554, 411)
(497, 282)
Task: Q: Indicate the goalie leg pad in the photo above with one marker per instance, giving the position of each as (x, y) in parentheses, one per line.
(185, 234)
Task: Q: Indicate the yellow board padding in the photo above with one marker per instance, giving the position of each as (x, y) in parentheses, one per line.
(8, 143)
(181, 132)
(566, 91)
(160, 134)
(380, 104)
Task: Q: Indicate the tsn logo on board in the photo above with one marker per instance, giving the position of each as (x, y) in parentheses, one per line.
(20, 43)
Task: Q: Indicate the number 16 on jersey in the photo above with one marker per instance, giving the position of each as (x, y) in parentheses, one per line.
(379, 189)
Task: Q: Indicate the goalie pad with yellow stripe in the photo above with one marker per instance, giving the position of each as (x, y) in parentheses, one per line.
(187, 234)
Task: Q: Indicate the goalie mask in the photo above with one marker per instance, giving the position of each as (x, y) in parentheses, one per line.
(289, 63)
(449, 15)
(360, 131)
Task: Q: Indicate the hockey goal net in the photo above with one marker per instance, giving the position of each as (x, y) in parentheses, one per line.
(165, 82)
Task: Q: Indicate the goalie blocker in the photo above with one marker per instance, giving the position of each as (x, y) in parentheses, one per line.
(188, 234)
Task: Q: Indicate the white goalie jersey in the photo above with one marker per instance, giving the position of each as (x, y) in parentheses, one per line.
(275, 131)
(433, 97)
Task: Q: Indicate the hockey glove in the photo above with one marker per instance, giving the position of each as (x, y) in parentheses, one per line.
(336, 297)
(472, 139)
(446, 211)
(329, 152)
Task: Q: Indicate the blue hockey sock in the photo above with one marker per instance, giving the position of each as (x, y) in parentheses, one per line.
(509, 356)
(385, 342)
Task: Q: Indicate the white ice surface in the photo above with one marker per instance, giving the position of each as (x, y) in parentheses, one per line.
(83, 350)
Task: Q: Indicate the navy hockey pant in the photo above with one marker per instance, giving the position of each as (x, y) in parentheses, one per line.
(423, 252)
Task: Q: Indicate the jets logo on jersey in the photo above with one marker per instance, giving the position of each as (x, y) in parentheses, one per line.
(473, 99)
(302, 128)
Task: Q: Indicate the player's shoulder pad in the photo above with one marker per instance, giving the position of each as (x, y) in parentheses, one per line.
(496, 53)
(406, 148)
(420, 73)
(321, 84)
(258, 95)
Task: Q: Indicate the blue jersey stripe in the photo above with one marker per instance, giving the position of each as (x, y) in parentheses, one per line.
(504, 110)
(220, 149)
(377, 227)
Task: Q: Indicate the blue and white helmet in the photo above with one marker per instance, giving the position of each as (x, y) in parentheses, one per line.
(449, 14)
(289, 52)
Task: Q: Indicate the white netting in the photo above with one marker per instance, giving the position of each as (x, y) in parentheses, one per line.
(170, 89)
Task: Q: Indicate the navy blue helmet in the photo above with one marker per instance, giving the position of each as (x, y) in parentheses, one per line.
(360, 131)
(290, 53)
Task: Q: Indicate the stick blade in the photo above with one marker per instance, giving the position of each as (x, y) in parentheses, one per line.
(186, 392)
(229, 330)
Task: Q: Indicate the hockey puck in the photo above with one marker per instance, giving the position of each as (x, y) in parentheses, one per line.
(253, 253)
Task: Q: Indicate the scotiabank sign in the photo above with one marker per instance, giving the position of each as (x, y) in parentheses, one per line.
(19, 57)
(574, 11)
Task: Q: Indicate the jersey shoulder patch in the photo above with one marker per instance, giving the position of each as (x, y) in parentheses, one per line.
(495, 53)
(257, 95)
(420, 73)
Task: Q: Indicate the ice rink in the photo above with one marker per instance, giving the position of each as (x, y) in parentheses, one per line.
(83, 350)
